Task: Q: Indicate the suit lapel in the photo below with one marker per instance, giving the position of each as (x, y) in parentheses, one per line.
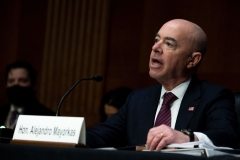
(151, 104)
(189, 104)
(4, 111)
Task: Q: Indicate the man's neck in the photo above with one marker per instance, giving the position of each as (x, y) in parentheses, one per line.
(171, 84)
(16, 106)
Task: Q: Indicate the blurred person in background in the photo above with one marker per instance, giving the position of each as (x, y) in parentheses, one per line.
(20, 81)
(112, 101)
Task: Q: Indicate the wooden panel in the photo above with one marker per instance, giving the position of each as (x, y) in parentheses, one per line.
(135, 25)
(74, 40)
(75, 44)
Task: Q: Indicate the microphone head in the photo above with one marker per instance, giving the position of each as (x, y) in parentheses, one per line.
(97, 78)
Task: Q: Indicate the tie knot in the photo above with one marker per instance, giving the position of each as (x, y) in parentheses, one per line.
(169, 98)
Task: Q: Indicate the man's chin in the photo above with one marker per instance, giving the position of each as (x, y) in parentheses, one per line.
(153, 74)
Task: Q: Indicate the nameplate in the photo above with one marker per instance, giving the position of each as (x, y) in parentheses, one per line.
(50, 129)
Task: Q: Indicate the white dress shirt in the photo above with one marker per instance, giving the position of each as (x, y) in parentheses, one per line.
(179, 91)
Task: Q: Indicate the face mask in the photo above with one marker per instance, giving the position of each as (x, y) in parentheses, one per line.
(20, 95)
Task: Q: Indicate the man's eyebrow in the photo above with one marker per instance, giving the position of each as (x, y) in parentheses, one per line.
(167, 38)
(171, 39)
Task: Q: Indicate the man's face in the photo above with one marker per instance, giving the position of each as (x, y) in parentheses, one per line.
(18, 76)
(110, 110)
(170, 53)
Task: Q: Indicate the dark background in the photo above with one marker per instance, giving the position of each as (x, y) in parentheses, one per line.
(131, 27)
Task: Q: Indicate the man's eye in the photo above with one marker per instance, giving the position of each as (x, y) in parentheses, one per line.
(10, 80)
(24, 80)
(169, 44)
(156, 40)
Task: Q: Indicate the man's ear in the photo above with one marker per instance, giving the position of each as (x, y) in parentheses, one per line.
(194, 59)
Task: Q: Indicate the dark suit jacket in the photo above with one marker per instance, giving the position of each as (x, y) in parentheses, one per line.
(213, 115)
(33, 108)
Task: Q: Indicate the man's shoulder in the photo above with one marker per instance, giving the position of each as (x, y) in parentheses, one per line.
(205, 85)
(155, 88)
(4, 109)
(37, 108)
(147, 91)
(209, 89)
(45, 110)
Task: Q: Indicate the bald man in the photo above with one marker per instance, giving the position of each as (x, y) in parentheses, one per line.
(182, 108)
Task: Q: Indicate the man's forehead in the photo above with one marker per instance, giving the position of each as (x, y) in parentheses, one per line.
(167, 37)
(174, 32)
(18, 72)
(176, 23)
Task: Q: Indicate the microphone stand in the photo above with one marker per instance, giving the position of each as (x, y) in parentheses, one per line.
(95, 78)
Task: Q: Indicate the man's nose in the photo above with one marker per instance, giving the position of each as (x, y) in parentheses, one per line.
(14, 83)
(157, 47)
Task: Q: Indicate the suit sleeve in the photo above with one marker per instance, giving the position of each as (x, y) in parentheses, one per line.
(111, 133)
(221, 119)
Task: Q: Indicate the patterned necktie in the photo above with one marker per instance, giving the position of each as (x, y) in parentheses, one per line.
(13, 117)
(164, 115)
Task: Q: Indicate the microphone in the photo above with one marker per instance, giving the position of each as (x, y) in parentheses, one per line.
(96, 78)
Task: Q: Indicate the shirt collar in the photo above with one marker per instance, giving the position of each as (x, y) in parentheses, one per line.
(18, 109)
(178, 91)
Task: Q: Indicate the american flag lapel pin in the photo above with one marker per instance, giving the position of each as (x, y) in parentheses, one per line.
(191, 109)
